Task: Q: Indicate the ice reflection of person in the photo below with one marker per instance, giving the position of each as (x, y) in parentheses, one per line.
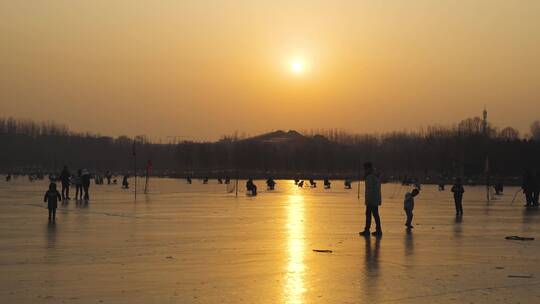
(372, 200)
(409, 244)
(371, 268)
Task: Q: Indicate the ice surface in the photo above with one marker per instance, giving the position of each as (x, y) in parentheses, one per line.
(197, 244)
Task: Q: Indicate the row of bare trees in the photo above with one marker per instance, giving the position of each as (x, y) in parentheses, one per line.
(436, 150)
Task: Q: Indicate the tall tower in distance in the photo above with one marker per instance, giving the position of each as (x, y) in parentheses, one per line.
(484, 121)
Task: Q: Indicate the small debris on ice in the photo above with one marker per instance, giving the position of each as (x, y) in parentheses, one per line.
(322, 250)
(519, 238)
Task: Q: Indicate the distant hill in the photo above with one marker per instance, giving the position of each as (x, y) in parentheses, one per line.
(289, 137)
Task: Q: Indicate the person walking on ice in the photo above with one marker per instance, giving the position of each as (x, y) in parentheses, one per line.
(372, 200)
(458, 191)
(408, 206)
(52, 196)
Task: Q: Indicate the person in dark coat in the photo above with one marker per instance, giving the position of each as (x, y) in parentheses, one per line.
(86, 183)
(78, 185)
(125, 182)
(372, 200)
(528, 186)
(64, 178)
(458, 191)
(270, 183)
(52, 196)
(251, 187)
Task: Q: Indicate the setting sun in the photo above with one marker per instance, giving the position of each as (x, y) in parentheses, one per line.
(297, 66)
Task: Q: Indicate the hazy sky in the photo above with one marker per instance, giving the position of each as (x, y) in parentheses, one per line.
(202, 69)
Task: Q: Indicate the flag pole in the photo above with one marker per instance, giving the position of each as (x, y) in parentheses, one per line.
(237, 173)
(135, 168)
(359, 179)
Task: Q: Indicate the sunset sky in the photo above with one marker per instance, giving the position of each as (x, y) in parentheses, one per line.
(202, 69)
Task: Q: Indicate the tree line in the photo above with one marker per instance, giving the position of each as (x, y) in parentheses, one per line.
(458, 150)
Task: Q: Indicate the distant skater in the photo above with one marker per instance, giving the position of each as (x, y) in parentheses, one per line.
(64, 178)
(270, 183)
(348, 184)
(372, 200)
(326, 183)
(108, 176)
(188, 179)
(528, 186)
(125, 182)
(458, 191)
(312, 183)
(408, 206)
(251, 187)
(78, 185)
(441, 186)
(85, 177)
(52, 196)
(8, 177)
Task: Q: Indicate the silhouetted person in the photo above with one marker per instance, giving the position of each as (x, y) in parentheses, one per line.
(78, 185)
(205, 180)
(108, 176)
(227, 180)
(441, 186)
(312, 183)
(408, 206)
(85, 177)
(347, 183)
(327, 183)
(52, 196)
(251, 187)
(528, 186)
(270, 183)
(296, 181)
(372, 199)
(300, 184)
(220, 181)
(64, 178)
(98, 179)
(458, 191)
(188, 179)
(8, 177)
(125, 182)
(499, 188)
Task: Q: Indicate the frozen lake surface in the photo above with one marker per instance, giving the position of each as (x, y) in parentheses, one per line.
(197, 244)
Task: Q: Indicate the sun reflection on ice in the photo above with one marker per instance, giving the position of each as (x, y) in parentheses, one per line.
(294, 283)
